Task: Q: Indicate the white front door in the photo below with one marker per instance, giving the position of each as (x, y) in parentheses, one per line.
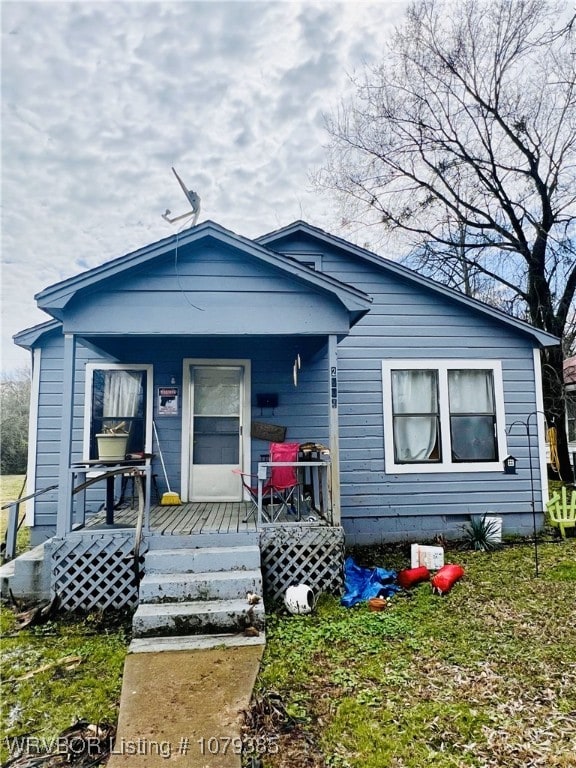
(217, 394)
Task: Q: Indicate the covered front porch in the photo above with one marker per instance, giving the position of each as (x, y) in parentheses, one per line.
(198, 350)
(240, 335)
(207, 439)
(103, 565)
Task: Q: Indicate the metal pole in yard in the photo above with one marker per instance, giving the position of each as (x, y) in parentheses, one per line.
(526, 425)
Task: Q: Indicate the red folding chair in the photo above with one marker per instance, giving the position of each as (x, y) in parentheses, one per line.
(280, 490)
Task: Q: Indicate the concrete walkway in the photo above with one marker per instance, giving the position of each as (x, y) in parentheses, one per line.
(183, 708)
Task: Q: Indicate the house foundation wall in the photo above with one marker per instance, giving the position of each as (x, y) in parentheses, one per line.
(381, 530)
(41, 533)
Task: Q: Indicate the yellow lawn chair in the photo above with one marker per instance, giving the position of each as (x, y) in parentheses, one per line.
(562, 511)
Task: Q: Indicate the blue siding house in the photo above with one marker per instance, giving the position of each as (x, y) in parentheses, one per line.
(419, 392)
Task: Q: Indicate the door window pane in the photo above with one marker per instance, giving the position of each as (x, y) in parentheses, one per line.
(217, 391)
(216, 418)
(216, 440)
(118, 398)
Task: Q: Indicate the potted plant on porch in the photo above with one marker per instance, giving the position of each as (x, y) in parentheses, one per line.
(112, 442)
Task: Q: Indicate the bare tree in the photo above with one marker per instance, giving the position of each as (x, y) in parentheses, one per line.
(464, 138)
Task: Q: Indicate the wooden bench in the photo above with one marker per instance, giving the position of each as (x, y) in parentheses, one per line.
(562, 511)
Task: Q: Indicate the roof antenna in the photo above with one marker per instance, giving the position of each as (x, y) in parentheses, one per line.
(194, 200)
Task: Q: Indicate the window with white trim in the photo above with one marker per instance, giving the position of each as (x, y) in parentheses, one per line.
(117, 397)
(443, 415)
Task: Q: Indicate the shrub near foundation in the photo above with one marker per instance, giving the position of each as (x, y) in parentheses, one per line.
(481, 534)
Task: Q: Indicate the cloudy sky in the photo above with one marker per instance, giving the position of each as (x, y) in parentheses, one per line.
(100, 99)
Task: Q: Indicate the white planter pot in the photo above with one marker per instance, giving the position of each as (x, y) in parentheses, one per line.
(112, 447)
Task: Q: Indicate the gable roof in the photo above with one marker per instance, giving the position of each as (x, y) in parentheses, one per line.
(29, 336)
(54, 298)
(302, 227)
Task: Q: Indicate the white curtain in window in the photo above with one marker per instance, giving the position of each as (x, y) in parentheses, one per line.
(121, 393)
(414, 395)
(471, 391)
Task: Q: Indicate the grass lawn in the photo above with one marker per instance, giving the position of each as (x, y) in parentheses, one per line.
(57, 673)
(10, 488)
(484, 676)
(54, 674)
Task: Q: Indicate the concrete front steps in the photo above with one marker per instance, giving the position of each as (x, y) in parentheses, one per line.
(27, 576)
(196, 597)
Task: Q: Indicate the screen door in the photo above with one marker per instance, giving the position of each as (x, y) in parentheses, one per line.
(216, 432)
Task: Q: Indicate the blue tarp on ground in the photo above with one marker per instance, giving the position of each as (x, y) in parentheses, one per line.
(360, 584)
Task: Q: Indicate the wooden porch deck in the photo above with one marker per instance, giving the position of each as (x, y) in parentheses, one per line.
(187, 519)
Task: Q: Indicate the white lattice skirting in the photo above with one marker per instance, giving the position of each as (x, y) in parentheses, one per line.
(312, 555)
(95, 570)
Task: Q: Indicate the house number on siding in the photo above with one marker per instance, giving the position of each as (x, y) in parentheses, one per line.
(334, 386)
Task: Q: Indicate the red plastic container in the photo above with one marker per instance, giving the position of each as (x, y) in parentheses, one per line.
(411, 576)
(446, 578)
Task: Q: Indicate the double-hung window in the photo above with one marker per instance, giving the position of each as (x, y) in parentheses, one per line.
(443, 415)
(119, 397)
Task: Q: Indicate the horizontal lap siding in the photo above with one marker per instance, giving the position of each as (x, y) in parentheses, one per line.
(214, 290)
(409, 322)
(216, 313)
(48, 431)
(303, 410)
(49, 426)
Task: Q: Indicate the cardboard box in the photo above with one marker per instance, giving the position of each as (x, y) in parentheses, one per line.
(428, 556)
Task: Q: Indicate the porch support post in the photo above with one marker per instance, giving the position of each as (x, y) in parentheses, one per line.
(334, 437)
(64, 518)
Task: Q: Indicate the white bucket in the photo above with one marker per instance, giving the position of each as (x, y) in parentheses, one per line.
(111, 447)
(495, 524)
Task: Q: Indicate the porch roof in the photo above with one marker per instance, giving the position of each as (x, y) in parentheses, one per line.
(55, 298)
